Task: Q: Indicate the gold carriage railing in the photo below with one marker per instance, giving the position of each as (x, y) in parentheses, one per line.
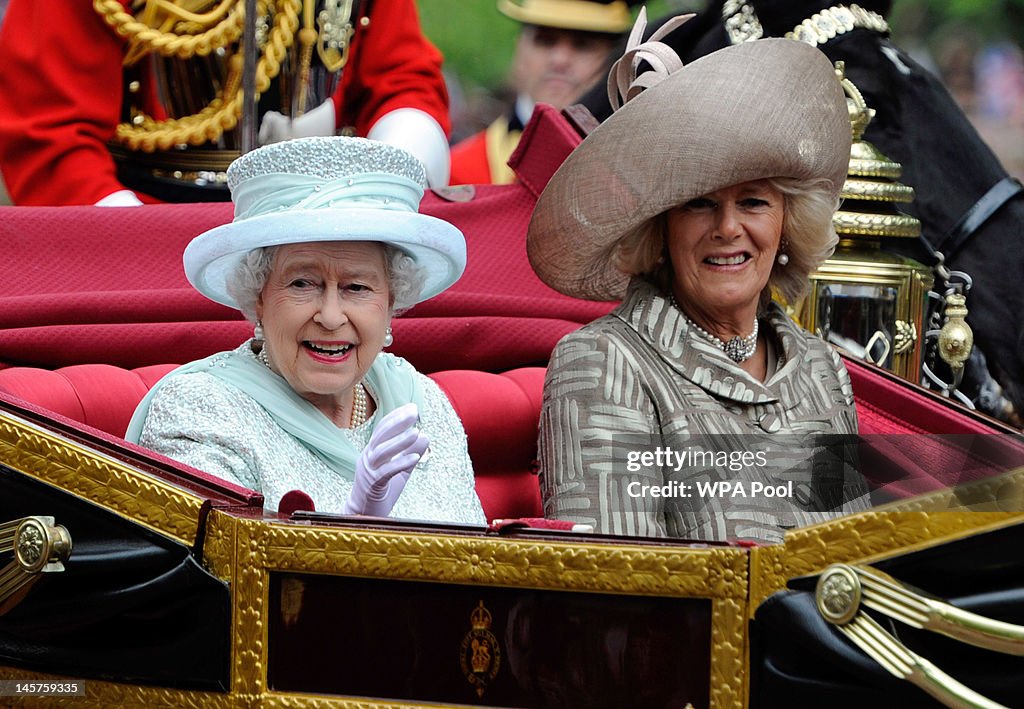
(461, 585)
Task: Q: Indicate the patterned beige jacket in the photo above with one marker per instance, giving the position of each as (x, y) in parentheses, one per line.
(647, 429)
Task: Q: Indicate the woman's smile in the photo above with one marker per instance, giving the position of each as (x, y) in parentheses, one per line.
(728, 262)
(328, 352)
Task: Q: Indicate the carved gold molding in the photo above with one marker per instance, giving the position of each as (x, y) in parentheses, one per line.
(862, 538)
(876, 224)
(102, 695)
(604, 568)
(103, 480)
(876, 191)
(262, 547)
(998, 493)
(219, 545)
(249, 610)
(728, 653)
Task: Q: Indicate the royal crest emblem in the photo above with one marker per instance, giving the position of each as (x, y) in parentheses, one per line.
(480, 653)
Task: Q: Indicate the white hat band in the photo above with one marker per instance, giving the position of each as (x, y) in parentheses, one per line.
(276, 192)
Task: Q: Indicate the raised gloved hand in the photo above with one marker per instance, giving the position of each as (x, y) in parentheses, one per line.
(276, 127)
(386, 463)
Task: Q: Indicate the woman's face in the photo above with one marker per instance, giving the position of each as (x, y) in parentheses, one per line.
(722, 246)
(325, 309)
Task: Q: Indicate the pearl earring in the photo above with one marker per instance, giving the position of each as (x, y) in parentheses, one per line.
(257, 332)
(389, 339)
(783, 257)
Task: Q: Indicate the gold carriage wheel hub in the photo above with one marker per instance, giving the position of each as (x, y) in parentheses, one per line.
(838, 594)
(33, 545)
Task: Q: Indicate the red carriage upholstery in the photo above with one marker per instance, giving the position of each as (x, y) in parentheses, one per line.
(92, 285)
(500, 413)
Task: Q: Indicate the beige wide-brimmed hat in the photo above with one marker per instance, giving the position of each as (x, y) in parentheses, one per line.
(608, 16)
(768, 108)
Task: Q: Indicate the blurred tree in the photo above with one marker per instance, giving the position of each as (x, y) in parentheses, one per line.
(992, 20)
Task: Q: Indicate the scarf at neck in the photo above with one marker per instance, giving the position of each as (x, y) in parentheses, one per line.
(391, 380)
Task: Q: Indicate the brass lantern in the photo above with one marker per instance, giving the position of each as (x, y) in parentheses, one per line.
(869, 302)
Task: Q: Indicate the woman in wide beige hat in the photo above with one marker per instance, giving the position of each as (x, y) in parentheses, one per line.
(697, 408)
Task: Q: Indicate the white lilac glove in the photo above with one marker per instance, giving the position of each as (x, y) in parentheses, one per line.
(386, 463)
(419, 133)
(121, 198)
(276, 127)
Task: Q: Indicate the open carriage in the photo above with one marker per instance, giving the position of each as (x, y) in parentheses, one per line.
(129, 579)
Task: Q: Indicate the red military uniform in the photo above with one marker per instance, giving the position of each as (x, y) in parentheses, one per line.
(560, 51)
(482, 158)
(61, 89)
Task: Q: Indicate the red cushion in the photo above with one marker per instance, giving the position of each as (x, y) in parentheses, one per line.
(499, 411)
(99, 395)
(500, 414)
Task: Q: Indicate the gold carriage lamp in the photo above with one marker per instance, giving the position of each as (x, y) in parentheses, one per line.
(39, 546)
(869, 302)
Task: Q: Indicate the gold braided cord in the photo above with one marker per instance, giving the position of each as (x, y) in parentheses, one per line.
(224, 112)
(184, 11)
(144, 38)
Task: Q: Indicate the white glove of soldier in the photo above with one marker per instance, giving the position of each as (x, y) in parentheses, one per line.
(386, 463)
(411, 129)
(276, 127)
(417, 132)
(121, 198)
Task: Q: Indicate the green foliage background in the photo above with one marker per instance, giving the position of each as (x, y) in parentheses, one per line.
(478, 41)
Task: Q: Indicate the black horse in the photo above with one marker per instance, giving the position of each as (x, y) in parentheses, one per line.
(970, 209)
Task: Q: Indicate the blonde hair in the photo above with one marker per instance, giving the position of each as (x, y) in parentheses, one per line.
(808, 238)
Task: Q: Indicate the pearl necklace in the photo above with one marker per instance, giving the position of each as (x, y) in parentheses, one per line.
(738, 349)
(359, 405)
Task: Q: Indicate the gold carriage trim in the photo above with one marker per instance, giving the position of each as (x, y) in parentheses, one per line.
(39, 545)
(875, 191)
(873, 163)
(860, 224)
(106, 481)
(842, 590)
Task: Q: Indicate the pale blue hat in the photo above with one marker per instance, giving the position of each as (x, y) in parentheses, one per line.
(326, 189)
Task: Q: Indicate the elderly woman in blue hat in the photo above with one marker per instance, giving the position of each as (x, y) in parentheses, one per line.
(327, 244)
